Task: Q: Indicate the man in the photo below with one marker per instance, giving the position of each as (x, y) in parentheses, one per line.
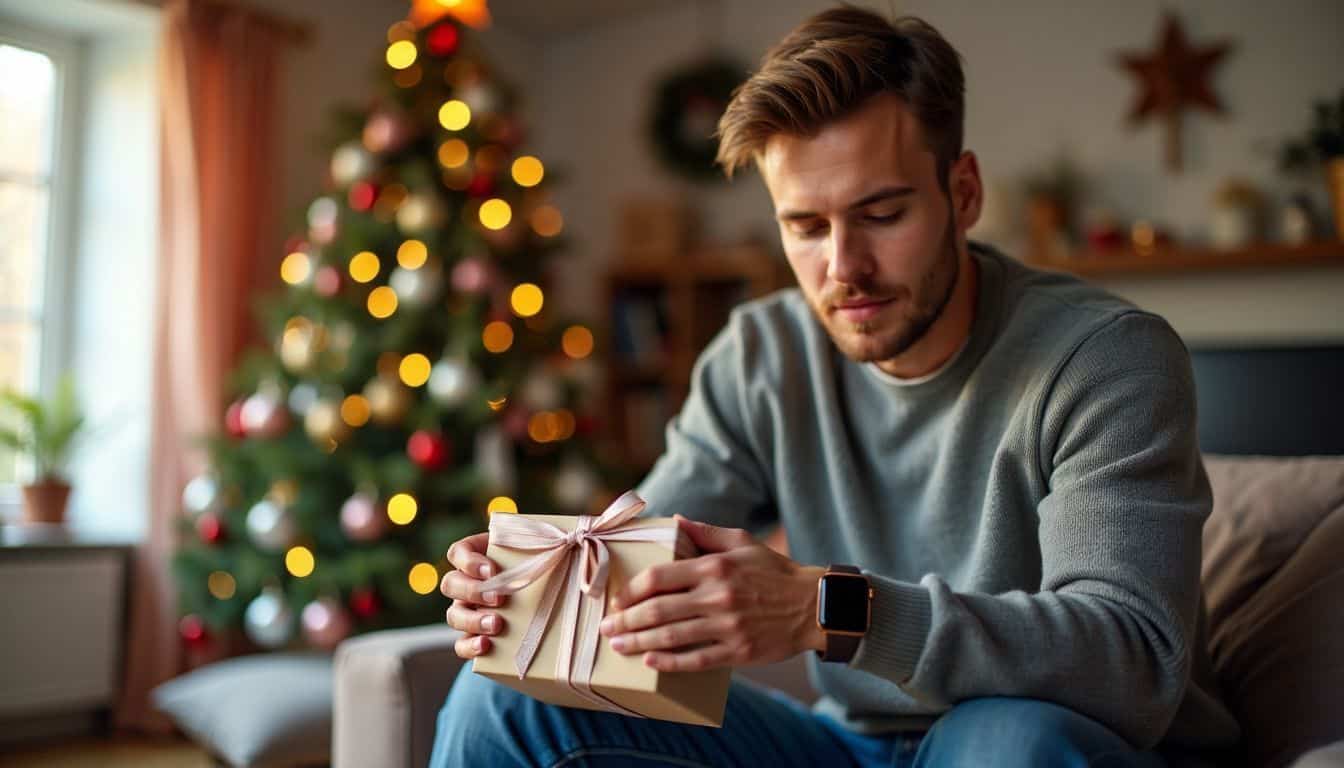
(992, 471)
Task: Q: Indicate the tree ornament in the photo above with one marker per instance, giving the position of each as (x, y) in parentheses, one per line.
(210, 528)
(482, 184)
(270, 526)
(201, 495)
(350, 163)
(442, 39)
(233, 420)
(325, 623)
(322, 220)
(193, 632)
(327, 282)
(302, 397)
(263, 415)
(471, 275)
(323, 423)
(452, 381)
(363, 518)
(419, 213)
(365, 603)
(388, 398)
(362, 196)
(429, 450)
(417, 287)
(268, 621)
(480, 97)
(387, 131)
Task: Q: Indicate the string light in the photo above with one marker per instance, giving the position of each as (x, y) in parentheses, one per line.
(355, 410)
(414, 369)
(547, 221)
(401, 54)
(497, 337)
(453, 153)
(299, 561)
(526, 299)
(577, 342)
(496, 214)
(454, 115)
(423, 578)
(412, 254)
(409, 77)
(382, 302)
(497, 405)
(401, 508)
(295, 268)
(221, 585)
(364, 266)
(502, 504)
(528, 171)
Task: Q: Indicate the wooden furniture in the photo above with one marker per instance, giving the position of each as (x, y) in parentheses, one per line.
(62, 641)
(1161, 260)
(660, 315)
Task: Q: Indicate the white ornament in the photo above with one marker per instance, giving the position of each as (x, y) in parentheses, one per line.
(419, 213)
(575, 485)
(322, 214)
(270, 526)
(268, 620)
(201, 495)
(417, 287)
(263, 416)
(302, 397)
(350, 163)
(452, 381)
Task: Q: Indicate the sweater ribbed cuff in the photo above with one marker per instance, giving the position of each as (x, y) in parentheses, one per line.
(895, 639)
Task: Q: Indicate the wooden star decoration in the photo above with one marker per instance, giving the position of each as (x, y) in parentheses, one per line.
(1173, 78)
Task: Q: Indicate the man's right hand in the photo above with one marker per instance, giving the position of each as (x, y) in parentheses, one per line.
(463, 585)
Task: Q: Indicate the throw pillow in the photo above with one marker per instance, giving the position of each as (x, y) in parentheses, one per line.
(259, 711)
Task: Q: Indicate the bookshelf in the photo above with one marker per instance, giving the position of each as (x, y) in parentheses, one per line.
(1167, 260)
(660, 315)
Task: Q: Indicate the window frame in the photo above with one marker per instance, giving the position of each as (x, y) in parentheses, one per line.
(55, 275)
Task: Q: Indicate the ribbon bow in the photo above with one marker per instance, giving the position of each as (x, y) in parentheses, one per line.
(583, 579)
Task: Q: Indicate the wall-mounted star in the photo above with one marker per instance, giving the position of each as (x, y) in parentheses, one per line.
(1173, 78)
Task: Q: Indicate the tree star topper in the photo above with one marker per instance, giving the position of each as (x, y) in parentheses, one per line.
(1174, 77)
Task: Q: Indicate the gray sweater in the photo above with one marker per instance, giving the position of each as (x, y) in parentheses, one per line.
(1030, 516)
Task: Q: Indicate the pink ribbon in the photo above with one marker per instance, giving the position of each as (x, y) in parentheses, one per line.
(582, 579)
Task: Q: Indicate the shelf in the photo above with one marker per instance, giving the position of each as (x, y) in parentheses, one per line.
(1174, 259)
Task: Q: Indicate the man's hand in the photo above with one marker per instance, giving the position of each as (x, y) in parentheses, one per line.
(740, 604)
(464, 586)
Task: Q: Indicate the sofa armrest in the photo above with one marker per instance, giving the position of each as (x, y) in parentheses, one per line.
(389, 687)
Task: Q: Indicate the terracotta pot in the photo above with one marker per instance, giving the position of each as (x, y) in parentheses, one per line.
(45, 502)
(1334, 179)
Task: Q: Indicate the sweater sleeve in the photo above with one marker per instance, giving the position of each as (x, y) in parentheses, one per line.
(709, 470)
(1107, 634)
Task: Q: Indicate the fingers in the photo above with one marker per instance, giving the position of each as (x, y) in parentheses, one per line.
(471, 646)
(652, 613)
(474, 622)
(697, 660)
(677, 634)
(667, 577)
(468, 555)
(712, 538)
(459, 586)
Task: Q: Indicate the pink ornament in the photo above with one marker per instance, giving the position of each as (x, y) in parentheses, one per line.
(386, 132)
(363, 518)
(233, 420)
(325, 623)
(471, 275)
(264, 416)
(327, 281)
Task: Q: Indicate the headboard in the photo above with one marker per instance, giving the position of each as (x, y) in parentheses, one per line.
(1272, 401)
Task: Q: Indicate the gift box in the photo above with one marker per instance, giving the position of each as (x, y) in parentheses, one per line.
(559, 573)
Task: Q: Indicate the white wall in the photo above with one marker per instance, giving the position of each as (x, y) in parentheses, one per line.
(1040, 78)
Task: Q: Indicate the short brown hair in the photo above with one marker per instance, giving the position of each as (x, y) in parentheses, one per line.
(829, 66)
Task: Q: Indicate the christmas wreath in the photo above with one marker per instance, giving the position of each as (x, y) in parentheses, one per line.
(686, 109)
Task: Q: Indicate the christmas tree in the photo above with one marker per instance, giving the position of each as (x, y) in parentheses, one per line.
(418, 382)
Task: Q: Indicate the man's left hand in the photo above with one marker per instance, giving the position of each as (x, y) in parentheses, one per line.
(740, 604)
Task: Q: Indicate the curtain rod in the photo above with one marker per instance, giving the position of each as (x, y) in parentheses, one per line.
(294, 31)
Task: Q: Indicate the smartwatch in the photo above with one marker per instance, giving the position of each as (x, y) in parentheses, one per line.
(844, 609)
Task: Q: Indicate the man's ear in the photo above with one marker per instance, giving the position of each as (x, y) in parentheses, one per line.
(966, 189)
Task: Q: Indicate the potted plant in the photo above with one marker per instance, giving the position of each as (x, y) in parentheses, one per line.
(45, 432)
(1323, 145)
(1052, 193)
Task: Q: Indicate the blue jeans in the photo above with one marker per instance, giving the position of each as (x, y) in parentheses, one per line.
(484, 723)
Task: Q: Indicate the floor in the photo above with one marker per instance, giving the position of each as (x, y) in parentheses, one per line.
(122, 752)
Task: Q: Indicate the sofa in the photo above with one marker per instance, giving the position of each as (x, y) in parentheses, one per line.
(1272, 573)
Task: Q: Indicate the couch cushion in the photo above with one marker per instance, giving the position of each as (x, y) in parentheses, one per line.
(1275, 582)
(260, 711)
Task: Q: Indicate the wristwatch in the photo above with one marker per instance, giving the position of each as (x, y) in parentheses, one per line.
(844, 609)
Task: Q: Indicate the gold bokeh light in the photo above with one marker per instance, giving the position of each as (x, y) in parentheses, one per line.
(382, 302)
(528, 171)
(454, 115)
(355, 410)
(401, 508)
(299, 561)
(414, 369)
(401, 54)
(496, 214)
(364, 266)
(497, 336)
(577, 342)
(412, 254)
(296, 268)
(547, 221)
(423, 578)
(502, 504)
(221, 585)
(526, 299)
(454, 153)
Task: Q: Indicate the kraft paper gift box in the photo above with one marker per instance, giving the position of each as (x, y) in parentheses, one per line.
(541, 553)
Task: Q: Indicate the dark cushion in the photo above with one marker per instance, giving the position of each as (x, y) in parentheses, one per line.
(1274, 581)
(260, 711)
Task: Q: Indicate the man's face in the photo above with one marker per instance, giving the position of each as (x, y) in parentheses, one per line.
(866, 227)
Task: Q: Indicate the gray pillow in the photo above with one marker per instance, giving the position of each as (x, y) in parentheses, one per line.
(261, 711)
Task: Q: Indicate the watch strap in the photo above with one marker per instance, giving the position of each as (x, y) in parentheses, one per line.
(840, 648)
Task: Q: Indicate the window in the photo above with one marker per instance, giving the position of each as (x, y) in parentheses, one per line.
(30, 119)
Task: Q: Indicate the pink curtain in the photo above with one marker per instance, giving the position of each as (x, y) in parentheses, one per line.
(217, 77)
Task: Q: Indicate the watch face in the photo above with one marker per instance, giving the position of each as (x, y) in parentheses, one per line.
(843, 603)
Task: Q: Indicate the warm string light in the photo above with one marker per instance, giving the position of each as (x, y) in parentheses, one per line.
(401, 54)
(454, 153)
(412, 254)
(364, 266)
(495, 214)
(382, 302)
(577, 342)
(221, 585)
(501, 504)
(454, 115)
(355, 410)
(414, 369)
(551, 426)
(295, 268)
(497, 337)
(299, 561)
(528, 171)
(547, 221)
(423, 578)
(402, 508)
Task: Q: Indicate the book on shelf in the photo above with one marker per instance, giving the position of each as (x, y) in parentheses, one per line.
(640, 329)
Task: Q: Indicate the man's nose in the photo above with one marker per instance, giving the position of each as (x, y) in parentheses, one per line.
(851, 260)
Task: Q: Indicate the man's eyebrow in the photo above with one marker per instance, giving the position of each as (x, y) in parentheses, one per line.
(885, 193)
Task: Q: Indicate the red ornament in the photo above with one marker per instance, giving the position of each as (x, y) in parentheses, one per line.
(193, 632)
(427, 449)
(233, 420)
(482, 185)
(442, 40)
(210, 528)
(364, 602)
(362, 195)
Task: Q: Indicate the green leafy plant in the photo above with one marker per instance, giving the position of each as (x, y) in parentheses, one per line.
(1323, 141)
(46, 430)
